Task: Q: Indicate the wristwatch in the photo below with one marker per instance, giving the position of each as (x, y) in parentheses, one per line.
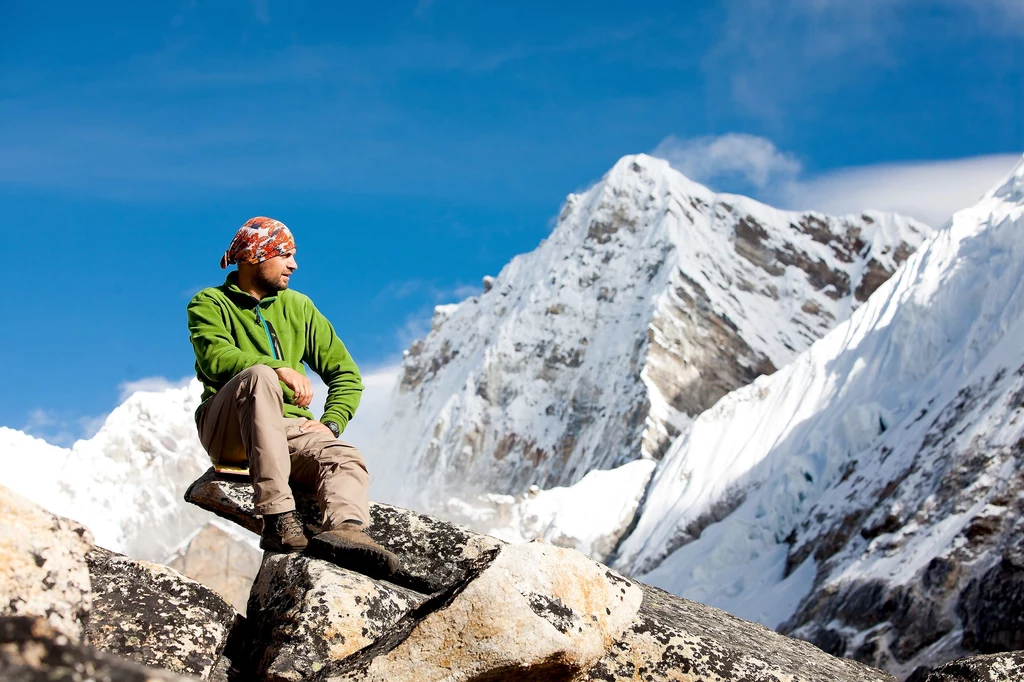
(333, 426)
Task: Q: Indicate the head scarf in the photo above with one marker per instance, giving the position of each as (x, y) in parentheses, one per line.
(256, 241)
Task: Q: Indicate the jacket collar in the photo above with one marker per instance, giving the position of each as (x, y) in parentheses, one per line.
(244, 298)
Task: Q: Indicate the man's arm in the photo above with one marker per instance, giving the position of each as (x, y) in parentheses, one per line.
(216, 353)
(327, 356)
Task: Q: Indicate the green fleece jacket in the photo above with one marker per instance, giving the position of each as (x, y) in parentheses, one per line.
(230, 331)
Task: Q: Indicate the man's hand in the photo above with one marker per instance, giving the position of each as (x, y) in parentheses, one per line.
(299, 383)
(311, 425)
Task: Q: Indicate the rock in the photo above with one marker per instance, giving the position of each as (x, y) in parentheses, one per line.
(306, 613)
(676, 639)
(43, 571)
(992, 608)
(1004, 667)
(154, 615)
(435, 555)
(535, 612)
(31, 651)
(221, 560)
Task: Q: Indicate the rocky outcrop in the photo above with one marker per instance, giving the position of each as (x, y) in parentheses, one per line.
(435, 555)
(535, 612)
(469, 607)
(88, 596)
(307, 613)
(43, 571)
(677, 639)
(152, 614)
(1005, 667)
(32, 651)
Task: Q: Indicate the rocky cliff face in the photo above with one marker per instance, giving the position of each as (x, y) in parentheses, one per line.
(652, 298)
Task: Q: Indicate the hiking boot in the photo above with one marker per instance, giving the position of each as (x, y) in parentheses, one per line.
(348, 546)
(283, 533)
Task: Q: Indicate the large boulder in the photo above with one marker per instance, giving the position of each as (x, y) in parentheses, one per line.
(535, 612)
(43, 569)
(152, 614)
(306, 613)
(32, 651)
(1004, 667)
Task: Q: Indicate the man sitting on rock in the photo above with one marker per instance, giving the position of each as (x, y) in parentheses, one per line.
(251, 336)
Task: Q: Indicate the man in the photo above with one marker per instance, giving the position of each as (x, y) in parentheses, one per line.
(251, 336)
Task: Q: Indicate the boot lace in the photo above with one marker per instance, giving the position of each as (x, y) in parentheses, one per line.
(290, 524)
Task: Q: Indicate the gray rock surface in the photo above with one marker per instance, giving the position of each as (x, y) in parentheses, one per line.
(1004, 667)
(306, 613)
(32, 651)
(43, 571)
(676, 639)
(435, 555)
(152, 614)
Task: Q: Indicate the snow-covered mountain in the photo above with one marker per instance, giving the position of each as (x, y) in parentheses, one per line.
(126, 482)
(869, 496)
(652, 298)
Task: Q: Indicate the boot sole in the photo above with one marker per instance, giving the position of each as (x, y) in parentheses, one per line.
(282, 550)
(353, 557)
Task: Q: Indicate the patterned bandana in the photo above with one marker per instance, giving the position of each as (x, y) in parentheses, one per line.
(258, 240)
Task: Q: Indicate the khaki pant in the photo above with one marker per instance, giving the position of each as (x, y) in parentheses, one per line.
(244, 421)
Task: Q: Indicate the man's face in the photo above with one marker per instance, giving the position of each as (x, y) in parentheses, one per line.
(273, 274)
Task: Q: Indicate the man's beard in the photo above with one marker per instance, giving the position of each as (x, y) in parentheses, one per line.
(268, 285)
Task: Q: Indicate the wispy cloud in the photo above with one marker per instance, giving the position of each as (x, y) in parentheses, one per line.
(708, 159)
(150, 384)
(930, 191)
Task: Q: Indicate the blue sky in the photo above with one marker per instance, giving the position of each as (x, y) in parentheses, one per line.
(415, 147)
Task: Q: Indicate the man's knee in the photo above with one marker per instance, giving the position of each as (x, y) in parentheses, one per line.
(260, 378)
(336, 452)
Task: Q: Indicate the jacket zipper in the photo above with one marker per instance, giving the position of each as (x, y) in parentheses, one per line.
(270, 340)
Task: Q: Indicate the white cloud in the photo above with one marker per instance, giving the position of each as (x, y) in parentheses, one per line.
(711, 158)
(930, 191)
(126, 388)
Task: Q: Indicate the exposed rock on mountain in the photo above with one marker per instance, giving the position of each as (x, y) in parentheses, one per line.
(652, 298)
